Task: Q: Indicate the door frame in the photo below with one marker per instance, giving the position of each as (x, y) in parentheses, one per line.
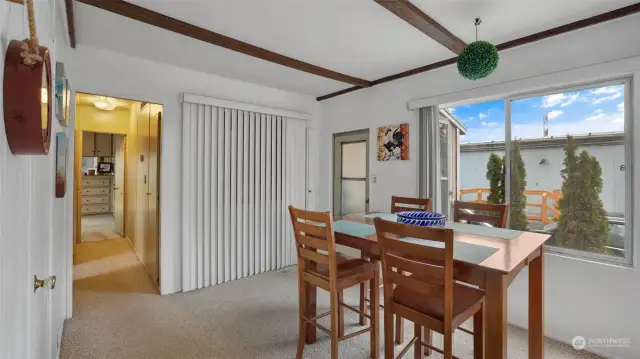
(77, 183)
(338, 140)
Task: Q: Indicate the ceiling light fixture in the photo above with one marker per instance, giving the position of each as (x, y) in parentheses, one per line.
(105, 103)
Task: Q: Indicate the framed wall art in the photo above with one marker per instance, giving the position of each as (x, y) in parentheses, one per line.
(393, 142)
(62, 95)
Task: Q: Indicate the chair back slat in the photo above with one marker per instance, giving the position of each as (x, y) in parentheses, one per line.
(416, 285)
(314, 243)
(313, 256)
(430, 265)
(434, 272)
(400, 204)
(413, 250)
(310, 229)
(490, 213)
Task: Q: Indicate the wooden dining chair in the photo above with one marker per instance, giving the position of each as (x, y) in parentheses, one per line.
(399, 204)
(428, 296)
(490, 213)
(314, 233)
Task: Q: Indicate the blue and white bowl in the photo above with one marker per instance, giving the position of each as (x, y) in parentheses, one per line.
(421, 218)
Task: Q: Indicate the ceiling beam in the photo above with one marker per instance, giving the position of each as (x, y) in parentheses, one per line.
(576, 25)
(421, 21)
(21, 2)
(153, 18)
(71, 22)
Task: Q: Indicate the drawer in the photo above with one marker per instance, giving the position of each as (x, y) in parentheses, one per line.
(102, 182)
(95, 191)
(95, 200)
(95, 208)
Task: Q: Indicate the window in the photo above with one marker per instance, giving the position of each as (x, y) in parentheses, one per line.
(567, 158)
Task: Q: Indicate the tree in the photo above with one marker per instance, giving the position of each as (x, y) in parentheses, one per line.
(495, 175)
(582, 224)
(518, 205)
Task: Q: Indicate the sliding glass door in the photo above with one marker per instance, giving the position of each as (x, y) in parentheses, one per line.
(351, 168)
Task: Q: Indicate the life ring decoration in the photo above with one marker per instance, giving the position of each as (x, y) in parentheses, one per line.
(27, 102)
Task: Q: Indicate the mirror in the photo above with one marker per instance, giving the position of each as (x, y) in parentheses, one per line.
(27, 99)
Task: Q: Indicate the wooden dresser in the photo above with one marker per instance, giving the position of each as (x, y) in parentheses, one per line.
(96, 195)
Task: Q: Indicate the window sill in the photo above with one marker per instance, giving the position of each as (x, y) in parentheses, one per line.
(594, 258)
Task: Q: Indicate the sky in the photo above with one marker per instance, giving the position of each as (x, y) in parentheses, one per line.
(594, 110)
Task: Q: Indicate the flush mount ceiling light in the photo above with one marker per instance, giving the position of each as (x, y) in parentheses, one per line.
(104, 103)
(478, 59)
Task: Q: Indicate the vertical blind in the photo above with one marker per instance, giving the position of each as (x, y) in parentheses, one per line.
(241, 169)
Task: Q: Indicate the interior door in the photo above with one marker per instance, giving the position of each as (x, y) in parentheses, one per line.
(153, 196)
(351, 173)
(119, 142)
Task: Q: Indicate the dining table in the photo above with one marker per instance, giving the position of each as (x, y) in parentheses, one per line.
(484, 256)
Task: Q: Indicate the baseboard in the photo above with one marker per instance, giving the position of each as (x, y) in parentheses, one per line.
(143, 264)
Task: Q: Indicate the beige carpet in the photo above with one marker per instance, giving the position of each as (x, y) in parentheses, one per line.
(250, 318)
(98, 227)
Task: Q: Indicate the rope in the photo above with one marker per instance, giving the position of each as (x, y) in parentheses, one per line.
(30, 49)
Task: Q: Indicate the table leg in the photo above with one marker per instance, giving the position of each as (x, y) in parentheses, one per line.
(496, 316)
(311, 332)
(536, 307)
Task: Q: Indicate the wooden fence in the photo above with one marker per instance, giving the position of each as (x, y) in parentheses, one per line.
(547, 208)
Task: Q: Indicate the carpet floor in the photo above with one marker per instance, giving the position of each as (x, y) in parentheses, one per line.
(117, 315)
(98, 228)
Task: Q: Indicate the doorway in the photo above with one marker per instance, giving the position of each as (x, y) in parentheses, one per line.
(116, 195)
(102, 195)
(351, 172)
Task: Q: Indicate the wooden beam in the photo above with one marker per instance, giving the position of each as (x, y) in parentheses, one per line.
(71, 23)
(421, 21)
(21, 2)
(153, 18)
(577, 25)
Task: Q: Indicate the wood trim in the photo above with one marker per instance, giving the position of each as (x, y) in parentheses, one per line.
(71, 23)
(421, 21)
(21, 2)
(576, 25)
(156, 19)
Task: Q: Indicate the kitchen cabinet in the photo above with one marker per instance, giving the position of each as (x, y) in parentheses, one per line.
(97, 144)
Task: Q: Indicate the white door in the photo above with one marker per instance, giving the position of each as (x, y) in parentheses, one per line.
(118, 183)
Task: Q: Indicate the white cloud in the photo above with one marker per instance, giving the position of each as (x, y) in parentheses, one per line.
(559, 99)
(598, 111)
(571, 100)
(621, 107)
(482, 115)
(606, 90)
(553, 114)
(607, 98)
(594, 117)
(471, 118)
(451, 110)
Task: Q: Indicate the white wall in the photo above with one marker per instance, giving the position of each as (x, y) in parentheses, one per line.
(107, 73)
(34, 225)
(582, 298)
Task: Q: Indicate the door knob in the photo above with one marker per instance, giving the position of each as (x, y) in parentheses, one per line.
(49, 282)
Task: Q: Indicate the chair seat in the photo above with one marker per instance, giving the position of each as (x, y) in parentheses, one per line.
(347, 267)
(466, 301)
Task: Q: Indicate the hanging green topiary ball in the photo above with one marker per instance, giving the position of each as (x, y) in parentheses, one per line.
(478, 60)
